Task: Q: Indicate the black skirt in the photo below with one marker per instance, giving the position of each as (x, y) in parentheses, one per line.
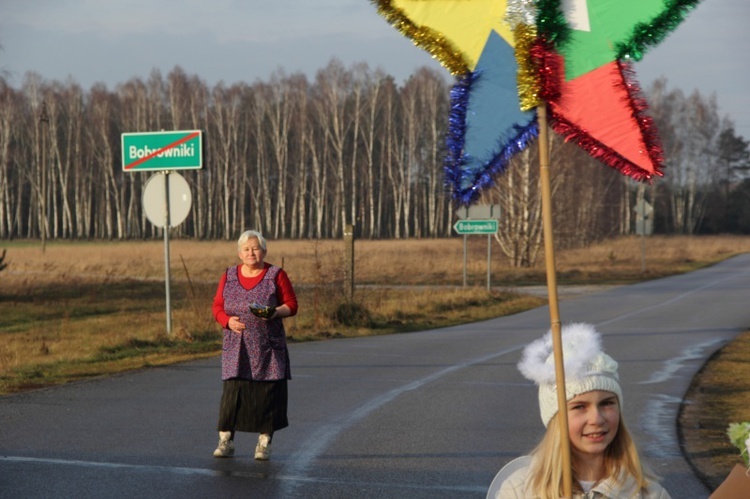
(253, 406)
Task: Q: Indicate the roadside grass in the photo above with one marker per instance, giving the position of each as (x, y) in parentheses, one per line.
(57, 332)
(68, 330)
(391, 310)
(719, 395)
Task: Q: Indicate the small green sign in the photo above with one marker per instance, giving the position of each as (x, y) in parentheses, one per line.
(476, 226)
(177, 150)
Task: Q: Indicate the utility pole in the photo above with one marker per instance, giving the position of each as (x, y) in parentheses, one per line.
(44, 121)
(349, 263)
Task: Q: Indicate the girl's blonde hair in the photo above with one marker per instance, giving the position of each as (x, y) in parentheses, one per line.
(546, 472)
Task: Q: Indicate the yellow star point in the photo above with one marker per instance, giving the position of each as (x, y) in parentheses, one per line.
(466, 23)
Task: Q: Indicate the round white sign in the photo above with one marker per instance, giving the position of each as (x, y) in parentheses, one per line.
(154, 199)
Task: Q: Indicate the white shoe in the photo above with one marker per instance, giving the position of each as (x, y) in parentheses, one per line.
(226, 446)
(263, 449)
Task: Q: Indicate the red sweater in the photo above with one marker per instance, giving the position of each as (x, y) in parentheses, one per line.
(284, 292)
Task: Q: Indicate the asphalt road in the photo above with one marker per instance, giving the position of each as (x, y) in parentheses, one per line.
(431, 414)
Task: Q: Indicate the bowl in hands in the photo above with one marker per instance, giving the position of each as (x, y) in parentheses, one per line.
(262, 311)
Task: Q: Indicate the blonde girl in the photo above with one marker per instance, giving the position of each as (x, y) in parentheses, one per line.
(604, 458)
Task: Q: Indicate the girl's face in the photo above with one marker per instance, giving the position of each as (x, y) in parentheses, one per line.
(593, 421)
(251, 253)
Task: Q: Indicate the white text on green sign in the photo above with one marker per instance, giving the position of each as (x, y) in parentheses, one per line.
(177, 150)
(476, 226)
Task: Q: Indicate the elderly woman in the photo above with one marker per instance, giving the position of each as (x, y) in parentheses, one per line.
(250, 302)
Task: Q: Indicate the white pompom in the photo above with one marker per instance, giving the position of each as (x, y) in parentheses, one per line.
(581, 344)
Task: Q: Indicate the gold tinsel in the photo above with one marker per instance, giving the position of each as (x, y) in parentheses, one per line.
(529, 85)
(425, 38)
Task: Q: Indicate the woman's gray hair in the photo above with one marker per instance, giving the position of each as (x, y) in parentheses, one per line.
(250, 234)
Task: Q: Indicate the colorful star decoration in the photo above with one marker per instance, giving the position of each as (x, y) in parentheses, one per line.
(511, 56)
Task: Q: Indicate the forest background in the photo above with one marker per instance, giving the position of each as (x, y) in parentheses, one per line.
(303, 159)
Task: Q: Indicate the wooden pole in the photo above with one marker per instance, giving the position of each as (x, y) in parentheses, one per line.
(349, 265)
(554, 310)
(44, 120)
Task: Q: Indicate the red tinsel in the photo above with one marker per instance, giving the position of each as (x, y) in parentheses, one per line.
(550, 67)
(596, 149)
(645, 122)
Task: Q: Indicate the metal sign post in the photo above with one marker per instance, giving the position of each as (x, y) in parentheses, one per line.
(489, 260)
(488, 227)
(465, 252)
(167, 201)
(167, 276)
(644, 223)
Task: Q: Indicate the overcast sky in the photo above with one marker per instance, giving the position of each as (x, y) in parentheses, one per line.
(112, 41)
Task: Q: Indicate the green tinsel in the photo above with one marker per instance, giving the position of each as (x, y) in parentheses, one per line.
(551, 23)
(646, 36)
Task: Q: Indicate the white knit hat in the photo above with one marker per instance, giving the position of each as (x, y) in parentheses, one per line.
(587, 367)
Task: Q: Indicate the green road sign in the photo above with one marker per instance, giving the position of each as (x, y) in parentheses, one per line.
(476, 226)
(178, 150)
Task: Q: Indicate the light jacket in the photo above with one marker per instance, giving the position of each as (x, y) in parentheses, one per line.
(515, 488)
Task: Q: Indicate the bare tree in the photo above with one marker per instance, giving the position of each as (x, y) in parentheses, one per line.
(582, 193)
(261, 182)
(65, 127)
(102, 114)
(401, 165)
(298, 176)
(198, 115)
(518, 193)
(690, 128)
(386, 206)
(432, 202)
(332, 86)
(226, 119)
(38, 133)
(9, 115)
(368, 132)
(280, 113)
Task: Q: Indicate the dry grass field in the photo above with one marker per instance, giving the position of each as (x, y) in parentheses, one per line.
(403, 262)
(82, 309)
(78, 309)
(71, 300)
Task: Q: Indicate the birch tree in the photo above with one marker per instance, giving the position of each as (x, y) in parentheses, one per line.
(690, 128)
(225, 119)
(9, 115)
(280, 114)
(332, 85)
(299, 160)
(368, 134)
